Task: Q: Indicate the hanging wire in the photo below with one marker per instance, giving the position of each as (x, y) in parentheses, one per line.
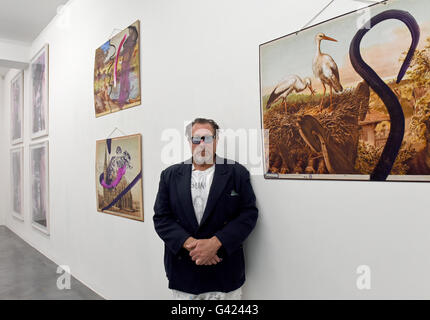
(116, 129)
(316, 16)
(372, 1)
(330, 3)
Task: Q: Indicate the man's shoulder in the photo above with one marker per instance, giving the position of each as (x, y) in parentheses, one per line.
(239, 168)
(173, 168)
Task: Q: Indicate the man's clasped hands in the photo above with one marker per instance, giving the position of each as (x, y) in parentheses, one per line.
(204, 251)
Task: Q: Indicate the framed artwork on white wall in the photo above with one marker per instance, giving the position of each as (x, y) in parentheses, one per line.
(39, 88)
(328, 115)
(17, 182)
(117, 72)
(39, 183)
(119, 177)
(17, 108)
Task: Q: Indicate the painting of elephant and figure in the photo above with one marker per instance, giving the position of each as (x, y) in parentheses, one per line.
(348, 101)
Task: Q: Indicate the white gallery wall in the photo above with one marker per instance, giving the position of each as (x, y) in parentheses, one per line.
(4, 203)
(200, 58)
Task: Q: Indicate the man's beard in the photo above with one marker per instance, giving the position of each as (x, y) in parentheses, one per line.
(208, 158)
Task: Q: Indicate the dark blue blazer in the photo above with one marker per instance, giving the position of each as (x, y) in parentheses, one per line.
(230, 214)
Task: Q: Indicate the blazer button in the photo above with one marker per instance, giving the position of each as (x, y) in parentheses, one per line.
(179, 258)
(225, 222)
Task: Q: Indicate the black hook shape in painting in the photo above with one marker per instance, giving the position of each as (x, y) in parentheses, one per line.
(397, 131)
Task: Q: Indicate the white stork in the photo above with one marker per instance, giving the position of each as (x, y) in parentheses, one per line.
(286, 87)
(326, 70)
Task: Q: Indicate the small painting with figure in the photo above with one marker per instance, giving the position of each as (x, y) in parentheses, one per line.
(117, 72)
(119, 176)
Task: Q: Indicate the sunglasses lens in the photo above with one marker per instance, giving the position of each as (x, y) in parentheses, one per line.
(196, 140)
(206, 139)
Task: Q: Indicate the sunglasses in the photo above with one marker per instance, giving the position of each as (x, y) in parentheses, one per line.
(206, 139)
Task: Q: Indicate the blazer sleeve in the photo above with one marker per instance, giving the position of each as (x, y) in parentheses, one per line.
(236, 231)
(166, 225)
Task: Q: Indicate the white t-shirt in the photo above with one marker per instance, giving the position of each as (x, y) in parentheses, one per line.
(201, 182)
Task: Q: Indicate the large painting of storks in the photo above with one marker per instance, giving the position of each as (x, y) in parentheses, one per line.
(366, 115)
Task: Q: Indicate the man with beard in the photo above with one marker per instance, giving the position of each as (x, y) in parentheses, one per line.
(204, 210)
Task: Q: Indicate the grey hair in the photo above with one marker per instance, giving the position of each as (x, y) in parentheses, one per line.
(189, 128)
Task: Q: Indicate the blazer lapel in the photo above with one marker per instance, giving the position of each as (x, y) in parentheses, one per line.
(183, 187)
(218, 184)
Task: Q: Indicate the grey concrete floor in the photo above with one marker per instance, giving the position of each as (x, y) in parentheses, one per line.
(25, 274)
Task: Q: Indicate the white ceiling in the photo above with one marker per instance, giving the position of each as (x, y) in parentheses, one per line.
(23, 20)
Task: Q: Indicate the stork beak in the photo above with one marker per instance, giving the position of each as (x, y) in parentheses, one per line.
(328, 38)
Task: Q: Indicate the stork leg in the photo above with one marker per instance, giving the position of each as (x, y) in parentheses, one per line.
(322, 100)
(285, 105)
(331, 99)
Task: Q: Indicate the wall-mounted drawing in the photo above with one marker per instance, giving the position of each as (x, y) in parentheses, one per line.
(39, 93)
(39, 184)
(119, 176)
(17, 108)
(17, 182)
(117, 72)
